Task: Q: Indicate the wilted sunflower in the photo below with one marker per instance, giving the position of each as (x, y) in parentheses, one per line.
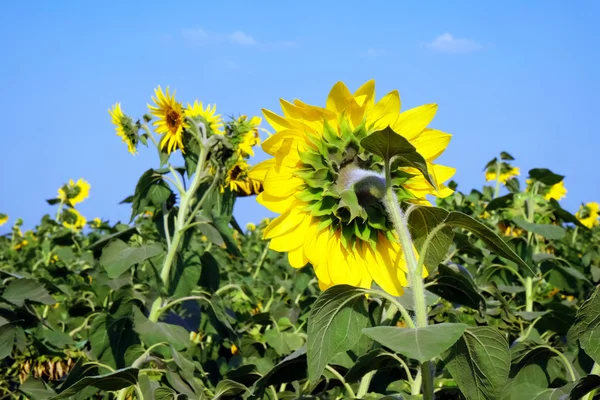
(505, 174)
(3, 219)
(588, 214)
(74, 192)
(212, 122)
(170, 122)
(124, 127)
(238, 180)
(72, 219)
(557, 191)
(317, 158)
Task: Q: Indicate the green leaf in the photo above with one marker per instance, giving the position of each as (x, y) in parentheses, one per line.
(422, 220)
(117, 380)
(584, 386)
(118, 257)
(552, 232)
(104, 240)
(587, 326)
(19, 291)
(564, 215)
(228, 387)
(284, 343)
(150, 190)
(335, 324)
(479, 362)
(110, 337)
(290, 369)
(456, 287)
(185, 275)
(374, 360)
(545, 176)
(486, 235)
(36, 389)
(500, 202)
(421, 344)
(528, 391)
(388, 144)
(212, 234)
(7, 339)
(157, 332)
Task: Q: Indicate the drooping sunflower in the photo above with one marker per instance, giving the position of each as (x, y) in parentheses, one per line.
(317, 159)
(74, 192)
(588, 214)
(170, 122)
(239, 181)
(72, 219)
(3, 219)
(505, 175)
(250, 137)
(124, 128)
(557, 191)
(213, 122)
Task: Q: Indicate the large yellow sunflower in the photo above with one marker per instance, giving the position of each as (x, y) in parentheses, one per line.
(74, 192)
(309, 181)
(72, 219)
(170, 122)
(124, 127)
(213, 122)
(588, 214)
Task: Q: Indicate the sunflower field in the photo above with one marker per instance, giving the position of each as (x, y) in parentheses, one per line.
(378, 278)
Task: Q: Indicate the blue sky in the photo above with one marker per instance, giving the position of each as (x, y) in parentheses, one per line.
(515, 76)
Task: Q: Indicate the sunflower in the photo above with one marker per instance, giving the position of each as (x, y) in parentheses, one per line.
(238, 180)
(250, 136)
(212, 122)
(317, 158)
(3, 219)
(588, 214)
(505, 175)
(557, 191)
(72, 219)
(250, 227)
(124, 127)
(74, 192)
(170, 122)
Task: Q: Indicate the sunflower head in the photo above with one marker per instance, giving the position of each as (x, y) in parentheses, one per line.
(3, 219)
(503, 173)
(238, 181)
(125, 128)
(243, 134)
(72, 219)
(170, 119)
(74, 192)
(327, 186)
(208, 116)
(556, 192)
(588, 214)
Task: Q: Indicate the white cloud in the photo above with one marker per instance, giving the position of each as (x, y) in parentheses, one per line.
(202, 37)
(373, 52)
(241, 38)
(447, 43)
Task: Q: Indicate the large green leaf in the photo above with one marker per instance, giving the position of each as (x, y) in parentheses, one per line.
(284, 343)
(228, 387)
(185, 274)
(479, 362)
(36, 389)
(527, 391)
(421, 344)
(587, 326)
(117, 257)
(335, 324)
(113, 381)
(7, 339)
(151, 189)
(422, 220)
(552, 232)
(457, 287)
(157, 332)
(374, 360)
(110, 337)
(545, 176)
(19, 291)
(388, 144)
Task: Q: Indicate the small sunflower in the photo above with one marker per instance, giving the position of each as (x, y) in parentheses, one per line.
(250, 136)
(124, 127)
(250, 227)
(72, 219)
(170, 122)
(238, 180)
(74, 192)
(96, 222)
(588, 214)
(3, 219)
(557, 191)
(309, 181)
(505, 174)
(212, 122)
(20, 244)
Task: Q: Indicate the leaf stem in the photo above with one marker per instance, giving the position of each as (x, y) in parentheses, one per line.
(565, 362)
(363, 387)
(341, 379)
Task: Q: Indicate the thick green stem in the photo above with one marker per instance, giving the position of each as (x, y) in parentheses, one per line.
(427, 373)
(528, 294)
(497, 189)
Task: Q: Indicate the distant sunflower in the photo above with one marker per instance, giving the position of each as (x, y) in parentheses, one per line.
(72, 219)
(170, 122)
(557, 191)
(238, 180)
(124, 127)
(505, 175)
(3, 219)
(588, 214)
(212, 122)
(74, 192)
(250, 138)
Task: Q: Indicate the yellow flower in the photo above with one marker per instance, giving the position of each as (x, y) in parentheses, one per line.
(234, 349)
(557, 191)
(20, 244)
(3, 219)
(309, 182)
(588, 214)
(508, 230)
(212, 122)
(250, 227)
(504, 175)
(148, 214)
(485, 215)
(170, 121)
(238, 180)
(124, 128)
(74, 192)
(72, 219)
(250, 138)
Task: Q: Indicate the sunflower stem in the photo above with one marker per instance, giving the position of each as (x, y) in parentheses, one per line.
(497, 190)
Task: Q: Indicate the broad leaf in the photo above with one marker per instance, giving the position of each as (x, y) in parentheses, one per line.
(110, 337)
(422, 220)
(117, 257)
(36, 389)
(113, 381)
(552, 232)
(587, 326)
(157, 332)
(227, 387)
(456, 287)
(545, 176)
(335, 324)
(421, 344)
(19, 291)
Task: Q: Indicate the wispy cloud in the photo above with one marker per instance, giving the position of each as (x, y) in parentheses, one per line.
(202, 37)
(374, 52)
(447, 43)
(242, 39)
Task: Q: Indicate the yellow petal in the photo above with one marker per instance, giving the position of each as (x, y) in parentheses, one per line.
(385, 112)
(274, 143)
(431, 143)
(412, 122)
(297, 258)
(365, 95)
(259, 171)
(339, 97)
(276, 204)
(284, 223)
